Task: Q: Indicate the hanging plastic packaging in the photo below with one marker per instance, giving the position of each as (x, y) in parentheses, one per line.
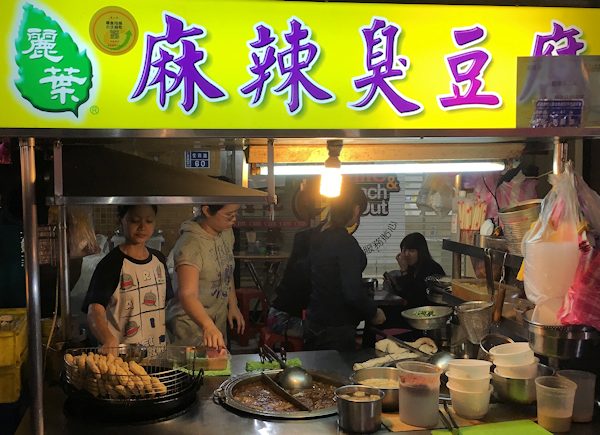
(551, 248)
(582, 302)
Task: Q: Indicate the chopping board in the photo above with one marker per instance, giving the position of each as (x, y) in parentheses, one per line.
(496, 414)
(505, 428)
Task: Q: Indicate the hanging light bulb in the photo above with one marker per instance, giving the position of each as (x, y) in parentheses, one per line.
(331, 175)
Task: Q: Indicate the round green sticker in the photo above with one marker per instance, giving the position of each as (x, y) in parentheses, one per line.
(113, 30)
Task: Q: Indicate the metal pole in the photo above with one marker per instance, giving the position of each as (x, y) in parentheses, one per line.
(63, 252)
(456, 257)
(27, 152)
(271, 177)
(560, 155)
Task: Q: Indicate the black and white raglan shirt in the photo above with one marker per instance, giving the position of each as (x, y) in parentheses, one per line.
(134, 294)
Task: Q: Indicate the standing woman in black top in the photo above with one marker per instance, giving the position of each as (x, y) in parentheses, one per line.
(415, 264)
(338, 301)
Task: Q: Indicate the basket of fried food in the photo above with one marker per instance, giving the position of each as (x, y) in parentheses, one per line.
(130, 372)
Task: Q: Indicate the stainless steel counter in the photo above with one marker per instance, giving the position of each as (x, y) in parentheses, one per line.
(208, 418)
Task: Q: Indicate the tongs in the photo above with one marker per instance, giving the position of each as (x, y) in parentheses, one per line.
(449, 422)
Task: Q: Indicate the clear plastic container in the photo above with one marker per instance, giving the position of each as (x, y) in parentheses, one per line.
(524, 371)
(469, 384)
(512, 354)
(419, 393)
(583, 409)
(469, 368)
(470, 404)
(555, 399)
(209, 359)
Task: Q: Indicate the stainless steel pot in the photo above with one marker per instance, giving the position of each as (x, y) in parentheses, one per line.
(521, 391)
(358, 416)
(562, 341)
(390, 400)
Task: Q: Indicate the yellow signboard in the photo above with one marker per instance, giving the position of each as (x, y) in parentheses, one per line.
(188, 64)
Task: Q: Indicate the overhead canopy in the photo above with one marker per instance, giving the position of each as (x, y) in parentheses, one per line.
(99, 175)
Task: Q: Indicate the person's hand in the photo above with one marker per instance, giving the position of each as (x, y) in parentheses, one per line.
(379, 317)
(213, 337)
(235, 315)
(110, 346)
(401, 260)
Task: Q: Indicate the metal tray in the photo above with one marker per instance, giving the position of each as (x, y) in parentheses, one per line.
(224, 396)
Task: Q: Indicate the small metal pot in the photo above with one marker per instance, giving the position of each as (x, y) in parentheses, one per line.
(355, 416)
(390, 400)
(521, 391)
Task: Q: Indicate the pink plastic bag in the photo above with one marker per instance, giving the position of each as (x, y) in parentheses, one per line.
(582, 302)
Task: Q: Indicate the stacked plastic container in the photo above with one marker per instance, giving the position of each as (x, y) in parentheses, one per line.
(13, 345)
(469, 385)
(514, 361)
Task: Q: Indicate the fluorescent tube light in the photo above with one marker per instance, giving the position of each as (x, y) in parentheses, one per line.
(390, 168)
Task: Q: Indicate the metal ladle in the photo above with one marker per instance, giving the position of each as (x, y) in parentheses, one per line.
(291, 378)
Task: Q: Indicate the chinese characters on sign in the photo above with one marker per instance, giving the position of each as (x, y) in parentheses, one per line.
(383, 65)
(197, 159)
(294, 62)
(54, 76)
(560, 42)
(168, 74)
(466, 68)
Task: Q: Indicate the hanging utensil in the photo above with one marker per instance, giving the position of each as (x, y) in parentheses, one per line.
(291, 378)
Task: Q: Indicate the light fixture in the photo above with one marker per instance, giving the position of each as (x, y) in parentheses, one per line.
(390, 168)
(331, 176)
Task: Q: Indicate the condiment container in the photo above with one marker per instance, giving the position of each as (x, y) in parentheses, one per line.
(419, 393)
(555, 398)
(469, 368)
(469, 404)
(383, 374)
(583, 409)
(359, 414)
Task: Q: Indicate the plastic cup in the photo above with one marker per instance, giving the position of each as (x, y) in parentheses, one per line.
(512, 354)
(470, 404)
(418, 393)
(583, 410)
(555, 399)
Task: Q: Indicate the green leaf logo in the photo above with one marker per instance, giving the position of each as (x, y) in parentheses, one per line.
(54, 76)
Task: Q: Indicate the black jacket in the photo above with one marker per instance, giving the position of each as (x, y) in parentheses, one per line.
(412, 285)
(336, 264)
(293, 291)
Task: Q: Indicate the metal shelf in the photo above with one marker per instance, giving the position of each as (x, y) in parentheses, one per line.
(513, 261)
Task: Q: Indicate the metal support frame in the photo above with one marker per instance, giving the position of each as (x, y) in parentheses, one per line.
(271, 177)
(456, 257)
(560, 155)
(28, 175)
(63, 252)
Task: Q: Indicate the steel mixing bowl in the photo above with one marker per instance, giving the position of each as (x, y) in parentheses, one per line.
(390, 400)
(562, 341)
(521, 391)
(428, 317)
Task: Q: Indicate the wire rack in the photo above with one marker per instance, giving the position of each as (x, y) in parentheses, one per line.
(131, 372)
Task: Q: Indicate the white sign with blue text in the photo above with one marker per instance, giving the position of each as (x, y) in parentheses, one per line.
(197, 159)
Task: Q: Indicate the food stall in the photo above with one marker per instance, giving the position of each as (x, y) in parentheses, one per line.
(274, 75)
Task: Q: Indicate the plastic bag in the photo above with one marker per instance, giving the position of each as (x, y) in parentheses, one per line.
(551, 246)
(82, 237)
(582, 303)
(436, 194)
